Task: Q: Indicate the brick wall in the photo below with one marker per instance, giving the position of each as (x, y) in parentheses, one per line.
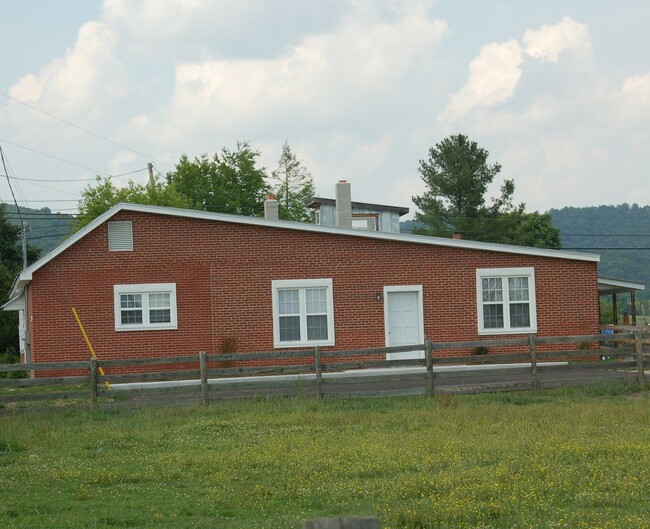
(223, 274)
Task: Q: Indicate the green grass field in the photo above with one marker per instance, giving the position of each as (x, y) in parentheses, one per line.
(574, 459)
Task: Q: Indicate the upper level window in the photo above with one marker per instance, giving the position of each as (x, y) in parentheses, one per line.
(506, 300)
(145, 307)
(364, 222)
(303, 312)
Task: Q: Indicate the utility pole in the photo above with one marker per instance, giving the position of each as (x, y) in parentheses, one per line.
(24, 232)
(24, 326)
(150, 167)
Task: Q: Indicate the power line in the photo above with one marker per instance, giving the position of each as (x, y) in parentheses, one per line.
(604, 234)
(2, 155)
(36, 214)
(69, 123)
(75, 179)
(55, 200)
(54, 157)
(604, 248)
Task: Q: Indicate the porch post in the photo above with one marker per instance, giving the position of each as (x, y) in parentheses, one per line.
(633, 304)
(615, 308)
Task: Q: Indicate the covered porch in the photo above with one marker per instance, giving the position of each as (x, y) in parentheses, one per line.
(617, 288)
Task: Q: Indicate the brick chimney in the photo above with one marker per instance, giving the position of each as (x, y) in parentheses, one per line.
(457, 235)
(271, 208)
(343, 204)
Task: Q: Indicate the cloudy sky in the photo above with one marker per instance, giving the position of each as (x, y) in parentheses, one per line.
(557, 91)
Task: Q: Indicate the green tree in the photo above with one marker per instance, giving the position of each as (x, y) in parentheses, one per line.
(101, 197)
(293, 187)
(457, 175)
(520, 228)
(229, 182)
(11, 263)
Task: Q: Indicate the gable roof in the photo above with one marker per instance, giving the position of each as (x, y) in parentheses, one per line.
(26, 275)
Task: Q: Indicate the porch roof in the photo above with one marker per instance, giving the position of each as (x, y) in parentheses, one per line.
(608, 286)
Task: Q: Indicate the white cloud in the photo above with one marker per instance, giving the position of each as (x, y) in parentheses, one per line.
(549, 42)
(493, 76)
(160, 20)
(633, 100)
(497, 70)
(121, 163)
(327, 78)
(71, 86)
(191, 30)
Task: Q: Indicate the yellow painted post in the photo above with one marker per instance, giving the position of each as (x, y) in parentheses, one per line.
(90, 346)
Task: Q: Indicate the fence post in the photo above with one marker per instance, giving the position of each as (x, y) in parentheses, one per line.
(533, 363)
(319, 372)
(204, 377)
(428, 355)
(342, 523)
(93, 383)
(638, 352)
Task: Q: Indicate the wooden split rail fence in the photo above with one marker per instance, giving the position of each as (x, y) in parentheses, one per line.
(577, 360)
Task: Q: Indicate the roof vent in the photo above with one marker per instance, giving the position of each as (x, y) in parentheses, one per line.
(120, 236)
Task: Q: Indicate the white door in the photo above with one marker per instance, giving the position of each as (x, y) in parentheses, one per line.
(404, 323)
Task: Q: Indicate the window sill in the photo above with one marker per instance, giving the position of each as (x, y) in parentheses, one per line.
(497, 332)
(294, 345)
(147, 328)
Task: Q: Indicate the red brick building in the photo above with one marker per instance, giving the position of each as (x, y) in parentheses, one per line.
(151, 281)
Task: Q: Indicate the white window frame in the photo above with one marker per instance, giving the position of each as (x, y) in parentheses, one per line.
(504, 274)
(145, 289)
(301, 285)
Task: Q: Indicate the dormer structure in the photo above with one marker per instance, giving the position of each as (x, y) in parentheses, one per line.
(341, 211)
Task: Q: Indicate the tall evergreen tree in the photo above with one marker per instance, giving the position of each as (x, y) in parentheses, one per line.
(293, 187)
(457, 175)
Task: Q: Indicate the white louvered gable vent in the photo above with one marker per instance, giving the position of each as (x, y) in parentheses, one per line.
(120, 236)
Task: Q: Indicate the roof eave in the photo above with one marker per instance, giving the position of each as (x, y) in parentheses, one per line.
(608, 285)
(26, 275)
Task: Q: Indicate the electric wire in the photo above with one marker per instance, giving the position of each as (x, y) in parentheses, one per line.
(69, 123)
(11, 173)
(75, 179)
(54, 157)
(4, 165)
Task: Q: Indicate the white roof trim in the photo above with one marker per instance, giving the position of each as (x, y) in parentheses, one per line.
(15, 303)
(26, 275)
(618, 285)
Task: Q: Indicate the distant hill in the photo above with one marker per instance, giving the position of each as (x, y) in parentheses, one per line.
(46, 229)
(409, 225)
(620, 234)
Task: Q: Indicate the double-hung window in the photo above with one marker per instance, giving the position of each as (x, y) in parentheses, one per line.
(303, 312)
(506, 300)
(145, 307)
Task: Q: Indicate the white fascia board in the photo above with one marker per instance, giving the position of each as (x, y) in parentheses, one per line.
(605, 283)
(26, 275)
(15, 303)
